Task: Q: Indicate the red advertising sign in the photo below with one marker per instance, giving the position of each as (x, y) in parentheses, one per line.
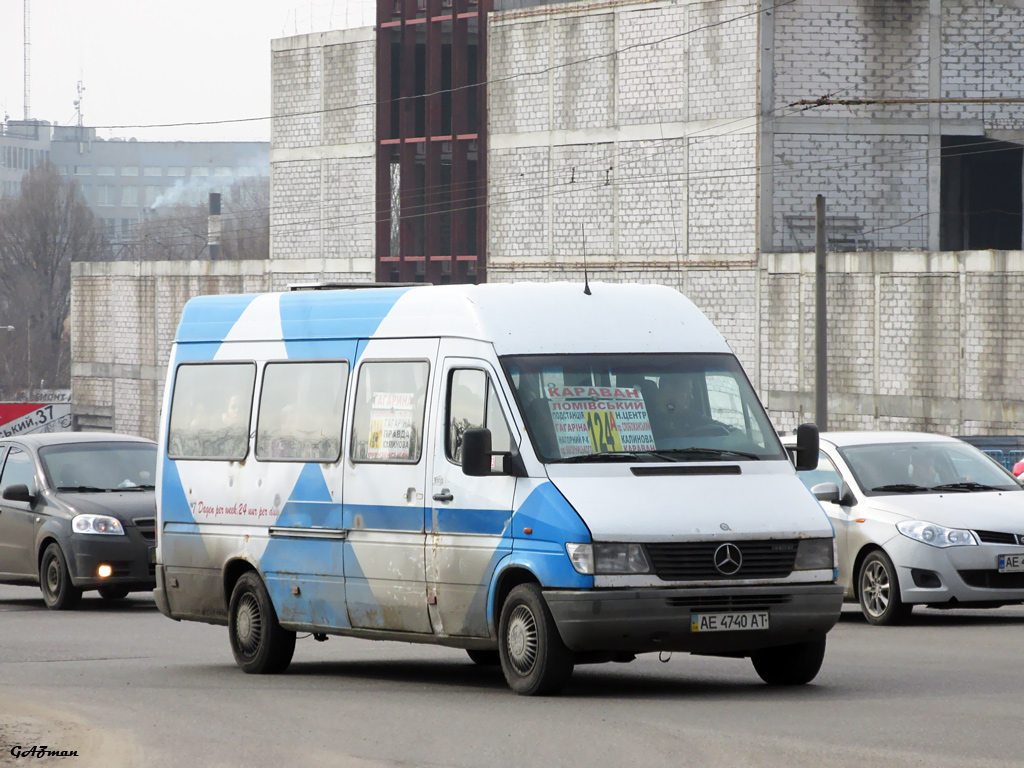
(26, 418)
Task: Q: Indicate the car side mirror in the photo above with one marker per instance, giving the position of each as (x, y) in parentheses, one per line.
(806, 447)
(18, 492)
(826, 492)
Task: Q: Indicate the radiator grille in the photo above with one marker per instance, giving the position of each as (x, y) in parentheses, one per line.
(686, 561)
(147, 527)
(727, 603)
(992, 579)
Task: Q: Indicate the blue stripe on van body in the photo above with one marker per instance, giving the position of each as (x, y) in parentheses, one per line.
(553, 523)
(493, 522)
(375, 517)
(336, 314)
(174, 506)
(210, 318)
(313, 567)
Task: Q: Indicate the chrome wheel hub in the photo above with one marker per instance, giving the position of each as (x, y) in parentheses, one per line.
(875, 589)
(522, 640)
(248, 624)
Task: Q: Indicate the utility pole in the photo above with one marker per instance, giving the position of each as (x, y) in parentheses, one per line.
(213, 226)
(27, 58)
(820, 319)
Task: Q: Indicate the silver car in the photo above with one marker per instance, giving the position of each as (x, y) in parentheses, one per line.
(920, 520)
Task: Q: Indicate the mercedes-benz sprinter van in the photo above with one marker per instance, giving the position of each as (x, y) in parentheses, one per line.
(541, 475)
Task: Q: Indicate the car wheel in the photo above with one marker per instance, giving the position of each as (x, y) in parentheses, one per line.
(113, 593)
(258, 642)
(533, 657)
(484, 658)
(59, 593)
(795, 664)
(878, 588)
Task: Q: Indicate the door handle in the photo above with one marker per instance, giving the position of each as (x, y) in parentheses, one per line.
(444, 495)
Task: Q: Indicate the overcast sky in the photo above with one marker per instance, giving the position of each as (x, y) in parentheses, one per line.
(146, 63)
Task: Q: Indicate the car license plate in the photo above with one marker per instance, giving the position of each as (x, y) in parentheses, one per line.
(728, 622)
(1011, 563)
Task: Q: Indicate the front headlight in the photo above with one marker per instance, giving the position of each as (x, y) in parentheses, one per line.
(608, 558)
(815, 555)
(936, 535)
(101, 524)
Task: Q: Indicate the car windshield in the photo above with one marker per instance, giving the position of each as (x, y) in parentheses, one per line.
(929, 467)
(99, 467)
(644, 407)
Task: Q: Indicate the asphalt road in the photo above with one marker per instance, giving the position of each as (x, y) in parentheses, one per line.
(123, 686)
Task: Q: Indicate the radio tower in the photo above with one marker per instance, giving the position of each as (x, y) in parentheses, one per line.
(26, 58)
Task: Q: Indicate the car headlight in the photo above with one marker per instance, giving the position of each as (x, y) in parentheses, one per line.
(608, 558)
(101, 524)
(815, 555)
(936, 535)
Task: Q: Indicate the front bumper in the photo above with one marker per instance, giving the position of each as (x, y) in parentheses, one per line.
(128, 556)
(954, 566)
(658, 619)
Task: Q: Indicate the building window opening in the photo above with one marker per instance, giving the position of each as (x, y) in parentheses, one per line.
(982, 194)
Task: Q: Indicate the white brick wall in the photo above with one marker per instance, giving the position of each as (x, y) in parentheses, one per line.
(878, 183)
(295, 98)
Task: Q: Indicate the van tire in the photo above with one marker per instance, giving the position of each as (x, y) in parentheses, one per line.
(878, 590)
(795, 664)
(258, 642)
(484, 658)
(534, 659)
(113, 593)
(59, 593)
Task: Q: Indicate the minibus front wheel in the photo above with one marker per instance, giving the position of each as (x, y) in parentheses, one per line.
(258, 642)
(533, 657)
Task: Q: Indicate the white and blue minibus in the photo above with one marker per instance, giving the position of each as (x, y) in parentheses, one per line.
(539, 474)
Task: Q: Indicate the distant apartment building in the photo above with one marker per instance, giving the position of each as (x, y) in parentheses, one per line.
(24, 144)
(127, 181)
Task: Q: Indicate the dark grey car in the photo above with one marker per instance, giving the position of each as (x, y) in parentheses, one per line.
(77, 512)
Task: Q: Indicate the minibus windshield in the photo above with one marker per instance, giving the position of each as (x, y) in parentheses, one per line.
(645, 407)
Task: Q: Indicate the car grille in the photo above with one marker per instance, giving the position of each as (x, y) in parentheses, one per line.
(147, 527)
(992, 579)
(727, 603)
(690, 561)
(994, 537)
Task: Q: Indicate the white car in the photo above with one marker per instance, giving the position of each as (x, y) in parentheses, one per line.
(920, 520)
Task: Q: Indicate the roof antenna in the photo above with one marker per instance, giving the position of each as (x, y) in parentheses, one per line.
(586, 282)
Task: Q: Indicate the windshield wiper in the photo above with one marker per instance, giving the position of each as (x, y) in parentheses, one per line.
(610, 456)
(137, 488)
(902, 488)
(964, 486)
(81, 489)
(723, 452)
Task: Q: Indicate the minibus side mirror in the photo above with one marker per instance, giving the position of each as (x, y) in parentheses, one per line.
(806, 447)
(18, 492)
(476, 452)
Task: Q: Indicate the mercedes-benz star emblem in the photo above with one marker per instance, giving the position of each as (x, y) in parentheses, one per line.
(728, 559)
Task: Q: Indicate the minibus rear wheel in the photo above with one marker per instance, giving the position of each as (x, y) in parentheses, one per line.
(533, 657)
(258, 642)
(795, 664)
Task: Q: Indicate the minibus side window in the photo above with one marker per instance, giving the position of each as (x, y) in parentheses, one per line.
(472, 404)
(301, 409)
(388, 418)
(210, 411)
